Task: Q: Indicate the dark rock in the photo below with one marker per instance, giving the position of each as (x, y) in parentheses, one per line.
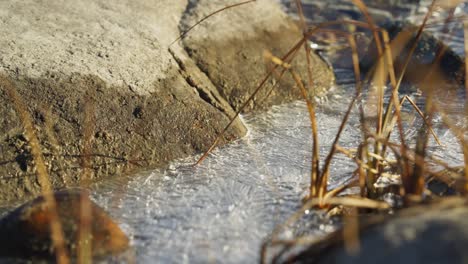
(25, 232)
(380, 10)
(450, 69)
(432, 233)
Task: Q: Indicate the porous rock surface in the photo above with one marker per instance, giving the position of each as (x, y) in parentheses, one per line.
(107, 69)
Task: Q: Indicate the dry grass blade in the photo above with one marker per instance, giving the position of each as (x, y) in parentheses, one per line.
(415, 184)
(289, 56)
(345, 201)
(58, 239)
(361, 170)
(84, 245)
(358, 202)
(313, 121)
(421, 114)
(315, 149)
(315, 170)
(84, 249)
(379, 82)
(300, 11)
(391, 50)
(414, 44)
(326, 168)
(412, 181)
(351, 232)
(363, 8)
(465, 34)
(208, 16)
(465, 151)
(48, 127)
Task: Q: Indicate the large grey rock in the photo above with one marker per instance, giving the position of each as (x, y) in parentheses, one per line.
(110, 62)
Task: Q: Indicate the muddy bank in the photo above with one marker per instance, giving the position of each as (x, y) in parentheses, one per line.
(146, 103)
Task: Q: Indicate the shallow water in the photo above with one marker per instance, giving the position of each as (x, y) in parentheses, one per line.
(222, 210)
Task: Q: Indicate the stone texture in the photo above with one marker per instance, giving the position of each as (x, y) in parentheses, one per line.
(111, 63)
(234, 59)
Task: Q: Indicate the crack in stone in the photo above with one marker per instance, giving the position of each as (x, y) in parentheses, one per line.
(205, 93)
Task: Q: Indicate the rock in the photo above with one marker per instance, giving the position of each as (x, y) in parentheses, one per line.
(229, 49)
(110, 63)
(449, 71)
(25, 232)
(434, 233)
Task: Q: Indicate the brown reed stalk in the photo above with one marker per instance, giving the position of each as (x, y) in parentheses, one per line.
(289, 56)
(57, 235)
(208, 16)
(48, 127)
(465, 151)
(84, 245)
(326, 168)
(315, 169)
(351, 232)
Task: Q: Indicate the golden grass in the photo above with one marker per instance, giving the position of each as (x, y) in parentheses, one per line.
(372, 155)
(58, 238)
(84, 243)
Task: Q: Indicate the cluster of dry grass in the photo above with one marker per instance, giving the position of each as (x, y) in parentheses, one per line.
(372, 158)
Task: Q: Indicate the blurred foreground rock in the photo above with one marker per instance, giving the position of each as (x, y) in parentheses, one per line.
(434, 233)
(446, 71)
(25, 232)
(146, 102)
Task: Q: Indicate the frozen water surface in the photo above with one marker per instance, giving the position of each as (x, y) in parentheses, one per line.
(222, 210)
